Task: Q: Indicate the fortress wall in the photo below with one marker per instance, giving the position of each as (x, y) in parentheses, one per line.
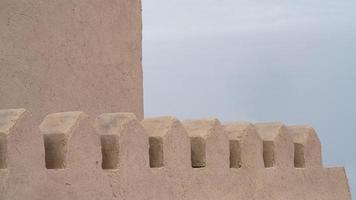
(62, 55)
(73, 155)
(169, 157)
(24, 155)
(130, 178)
(278, 179)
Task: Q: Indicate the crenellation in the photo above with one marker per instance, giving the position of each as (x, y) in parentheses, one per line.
(108, 157)
(57, 130)
(11, 124)
(131, 137)
(132, 173)
(246, 178)
(277, 145)
(210, 159)
(279, 174)
(174, 171)
(306, 138)
(174, 141)
(76, 68)
(210, 141)
(251, 149)
(25, 166)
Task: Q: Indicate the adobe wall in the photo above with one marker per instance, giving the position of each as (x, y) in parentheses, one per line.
(73, 155)
(64, 55)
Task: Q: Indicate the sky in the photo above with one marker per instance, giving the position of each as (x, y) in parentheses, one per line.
(256, 61)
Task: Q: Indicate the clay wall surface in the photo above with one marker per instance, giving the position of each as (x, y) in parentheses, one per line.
(75, 156)
(61, 55)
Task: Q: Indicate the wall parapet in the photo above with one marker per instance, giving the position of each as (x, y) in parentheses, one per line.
(116, 156)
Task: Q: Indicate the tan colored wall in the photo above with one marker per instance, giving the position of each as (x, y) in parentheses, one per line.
(61, 55)
(164, 143)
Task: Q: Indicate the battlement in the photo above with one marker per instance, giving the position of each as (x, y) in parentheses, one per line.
(60, 56)
(72, 155)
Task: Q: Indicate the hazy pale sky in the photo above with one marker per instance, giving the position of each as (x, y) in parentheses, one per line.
(249, 60)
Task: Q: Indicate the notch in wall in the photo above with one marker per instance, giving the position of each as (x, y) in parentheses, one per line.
(109, 151)
(198, 152)
(55, 151)
(156, 152)
(235, 154)
(299, 160)
(268, 154)
(3, 151)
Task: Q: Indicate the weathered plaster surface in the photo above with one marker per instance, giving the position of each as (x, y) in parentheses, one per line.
(133, 173)
(62, 55)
